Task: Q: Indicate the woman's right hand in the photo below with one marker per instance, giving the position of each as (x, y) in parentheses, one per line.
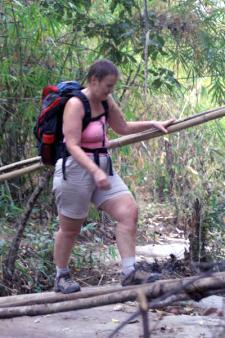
(101, 179)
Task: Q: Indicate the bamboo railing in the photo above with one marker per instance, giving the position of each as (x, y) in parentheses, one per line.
(7, 172)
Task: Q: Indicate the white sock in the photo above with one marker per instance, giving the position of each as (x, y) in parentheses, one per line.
(61, 271)
(128, 265)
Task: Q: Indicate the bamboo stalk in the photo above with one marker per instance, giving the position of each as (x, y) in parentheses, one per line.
(21, 171)
(20, 163)
(189, 285)
(177, 126)
(38, 158)
(53, 297)
(133, 138)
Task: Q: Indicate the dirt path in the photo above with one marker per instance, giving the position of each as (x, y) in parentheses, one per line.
(101, 321)
(180, 321)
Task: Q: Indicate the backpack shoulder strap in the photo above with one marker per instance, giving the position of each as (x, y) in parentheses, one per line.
(106, 107)
(87, 108)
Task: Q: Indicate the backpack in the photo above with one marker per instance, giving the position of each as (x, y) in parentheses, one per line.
(48, 127)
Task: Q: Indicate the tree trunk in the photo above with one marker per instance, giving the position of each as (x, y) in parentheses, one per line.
(197, 235)
(169, 167)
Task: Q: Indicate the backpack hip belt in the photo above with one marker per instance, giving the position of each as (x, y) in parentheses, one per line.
(96, 153)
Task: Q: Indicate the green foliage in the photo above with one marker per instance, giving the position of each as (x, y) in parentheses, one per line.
(46, 41)
(8, 209)
(3, 247)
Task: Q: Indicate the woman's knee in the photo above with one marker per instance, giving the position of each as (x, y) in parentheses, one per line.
(69, 226)
(128, 213)
(65, 233)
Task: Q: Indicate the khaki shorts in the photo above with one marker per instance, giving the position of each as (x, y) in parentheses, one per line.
(74, 195)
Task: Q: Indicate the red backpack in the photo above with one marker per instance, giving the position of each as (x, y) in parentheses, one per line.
(48, 127)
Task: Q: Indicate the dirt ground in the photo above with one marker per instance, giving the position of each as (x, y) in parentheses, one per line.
(102, 321)
(184, 320)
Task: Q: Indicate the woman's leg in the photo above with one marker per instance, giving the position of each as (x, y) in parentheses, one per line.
(68, 230)
(124, 210)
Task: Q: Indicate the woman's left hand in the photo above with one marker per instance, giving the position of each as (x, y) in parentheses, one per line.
(162, 125)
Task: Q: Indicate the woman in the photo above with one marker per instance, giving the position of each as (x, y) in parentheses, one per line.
(90, 177)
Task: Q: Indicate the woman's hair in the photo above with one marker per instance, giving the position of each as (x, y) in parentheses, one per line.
(101, 69)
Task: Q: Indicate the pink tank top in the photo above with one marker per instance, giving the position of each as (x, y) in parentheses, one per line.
(94, 135)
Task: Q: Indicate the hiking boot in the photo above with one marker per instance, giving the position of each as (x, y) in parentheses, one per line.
(65, 284)
(139, 276)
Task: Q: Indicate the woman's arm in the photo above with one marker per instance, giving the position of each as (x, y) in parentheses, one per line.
(122, 127)
(72, 128)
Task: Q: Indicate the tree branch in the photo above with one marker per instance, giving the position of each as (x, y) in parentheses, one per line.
(9, 262)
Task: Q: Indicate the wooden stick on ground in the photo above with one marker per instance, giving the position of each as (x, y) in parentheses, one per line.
(143, 306)
(191, 285)
(53, 297)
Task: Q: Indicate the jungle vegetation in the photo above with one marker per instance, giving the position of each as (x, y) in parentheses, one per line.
(171, 57)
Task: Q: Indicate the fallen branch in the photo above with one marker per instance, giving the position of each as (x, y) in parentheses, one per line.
(9, 263)
(52, 297)
(143, 308)
(191, 121)
(158, 304)
(189, 285)
(173, 295)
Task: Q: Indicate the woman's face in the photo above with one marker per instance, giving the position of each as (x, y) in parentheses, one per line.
(102, 88)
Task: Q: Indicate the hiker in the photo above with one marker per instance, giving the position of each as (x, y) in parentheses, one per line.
(90, 176)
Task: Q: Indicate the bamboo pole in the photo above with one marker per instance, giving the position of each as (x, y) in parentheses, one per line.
(177, 126)
(21, 171)
(189, 285)
(38, 158)
(53, 297)
(20, 163)
(191, 121)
